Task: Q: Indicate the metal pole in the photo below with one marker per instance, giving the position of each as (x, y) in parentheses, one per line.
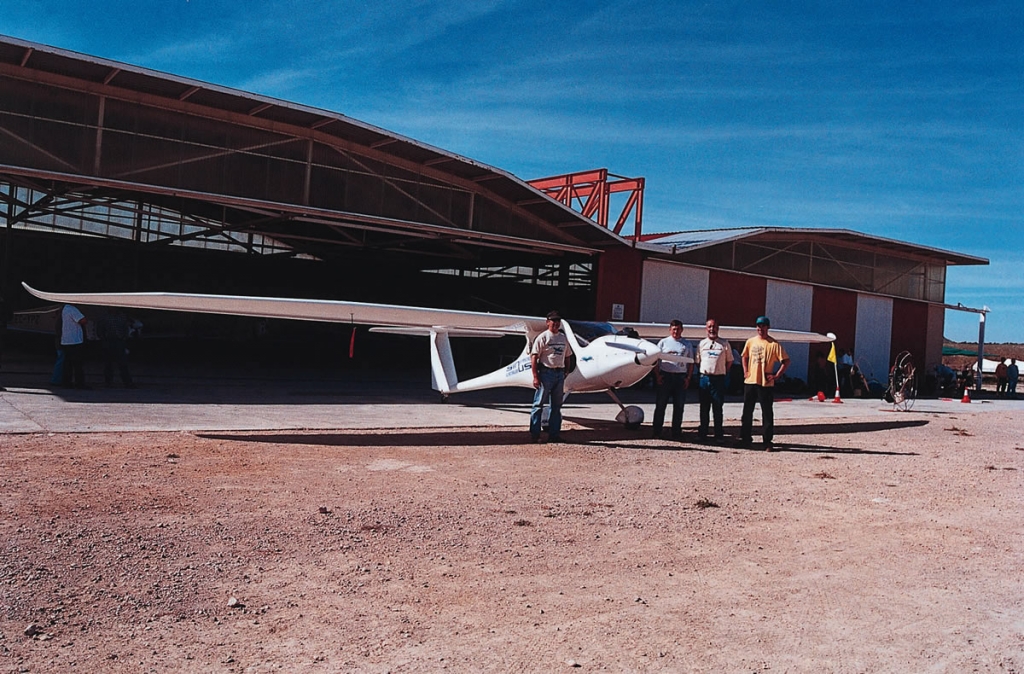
(5, 262)
(981, 350)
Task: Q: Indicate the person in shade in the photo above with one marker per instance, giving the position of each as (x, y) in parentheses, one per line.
(714, 357)
(5, 315)
(72, 340)
(113, 329)
(549, 356)
(671, 380)
(1012, 374)
(761, 356)
(1001, 378)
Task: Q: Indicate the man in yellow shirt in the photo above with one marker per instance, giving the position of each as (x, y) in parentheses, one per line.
(761, 355)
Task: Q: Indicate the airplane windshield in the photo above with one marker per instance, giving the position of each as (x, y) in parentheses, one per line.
(588, 331)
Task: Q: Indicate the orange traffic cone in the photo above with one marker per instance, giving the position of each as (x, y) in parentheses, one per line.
(967, 396)
(837, 399)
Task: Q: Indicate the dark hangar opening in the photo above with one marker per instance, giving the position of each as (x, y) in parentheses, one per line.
(116, 178)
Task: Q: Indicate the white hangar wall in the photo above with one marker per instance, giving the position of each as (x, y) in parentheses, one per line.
(874, 336)
(671, 290)
(788, 305)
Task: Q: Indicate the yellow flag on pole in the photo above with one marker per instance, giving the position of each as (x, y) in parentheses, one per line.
(832, 354)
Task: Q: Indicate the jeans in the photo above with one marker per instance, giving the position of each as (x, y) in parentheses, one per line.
(765, 396)
(58, 368)
(712, 398)
(552, 384)
(672, 386)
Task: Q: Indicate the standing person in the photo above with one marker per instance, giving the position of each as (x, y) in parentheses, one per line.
(845, 366)
(1001, 377)
(760, 356)
(1012, 374)
(671, 381)
(113, 329)
(715, 358)
(5, 315)
(57, 378)
(548, 358)
(72, 341)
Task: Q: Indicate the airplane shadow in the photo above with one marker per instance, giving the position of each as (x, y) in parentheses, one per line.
(595, 434)
(598, 434)
(847, 427)
(781, 447)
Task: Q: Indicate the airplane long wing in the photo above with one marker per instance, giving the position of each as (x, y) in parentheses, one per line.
(390, 317)
(416, 320)
(656, 331)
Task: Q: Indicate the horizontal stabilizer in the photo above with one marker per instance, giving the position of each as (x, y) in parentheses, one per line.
(425, 332)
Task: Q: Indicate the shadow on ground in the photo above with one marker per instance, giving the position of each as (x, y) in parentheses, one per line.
(608, 435)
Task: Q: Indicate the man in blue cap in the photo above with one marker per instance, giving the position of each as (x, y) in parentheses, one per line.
(761, 355)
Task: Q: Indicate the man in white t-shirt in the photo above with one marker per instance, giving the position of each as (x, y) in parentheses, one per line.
(72, 340)
(671, 381)
(715, 358)
(548, 358)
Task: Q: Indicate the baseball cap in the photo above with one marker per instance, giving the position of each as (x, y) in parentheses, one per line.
(763, 320)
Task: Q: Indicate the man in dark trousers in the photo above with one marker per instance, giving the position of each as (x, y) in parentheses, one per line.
(671, 381)
(714, 356)
(761, 355)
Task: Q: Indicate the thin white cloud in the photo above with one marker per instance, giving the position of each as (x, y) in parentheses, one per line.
(202, 49)
(279, 83)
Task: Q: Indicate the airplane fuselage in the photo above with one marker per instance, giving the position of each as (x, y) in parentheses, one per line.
(599, 367)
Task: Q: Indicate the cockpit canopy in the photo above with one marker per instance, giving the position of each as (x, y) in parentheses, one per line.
(588, 331)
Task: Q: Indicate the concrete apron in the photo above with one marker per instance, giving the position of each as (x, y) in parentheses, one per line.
(208, 405)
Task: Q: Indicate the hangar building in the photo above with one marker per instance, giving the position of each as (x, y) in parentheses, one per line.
(115, 177)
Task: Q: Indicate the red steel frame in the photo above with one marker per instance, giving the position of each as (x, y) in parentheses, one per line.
(589, 193)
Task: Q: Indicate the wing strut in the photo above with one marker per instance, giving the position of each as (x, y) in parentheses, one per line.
(631, 417)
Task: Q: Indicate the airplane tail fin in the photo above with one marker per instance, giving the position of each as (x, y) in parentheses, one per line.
(442, 364)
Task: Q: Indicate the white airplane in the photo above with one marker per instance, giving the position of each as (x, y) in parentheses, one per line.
(607, 358)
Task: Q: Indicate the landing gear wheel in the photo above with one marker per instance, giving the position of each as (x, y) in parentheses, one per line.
(631, 417)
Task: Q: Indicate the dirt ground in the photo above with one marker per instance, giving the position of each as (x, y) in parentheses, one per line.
(861, 546)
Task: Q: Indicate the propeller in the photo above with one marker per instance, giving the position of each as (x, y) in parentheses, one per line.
(648, 353)
(626, 347)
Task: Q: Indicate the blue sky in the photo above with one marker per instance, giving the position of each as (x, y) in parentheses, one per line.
(903, 120)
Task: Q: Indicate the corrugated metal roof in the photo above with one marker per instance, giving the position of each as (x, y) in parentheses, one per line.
(680, 242)
(572, 228)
